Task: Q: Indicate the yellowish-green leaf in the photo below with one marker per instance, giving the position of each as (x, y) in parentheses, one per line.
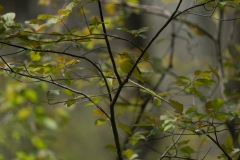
(24, 113)
(110, 8)
(178, 106)
(63, 12)
(31, 94)
(98, 112)
(111, 147)
(128, 153)
(35, 56)
(164, 94)
(95, 101)
(45, 16)
(169, 126)
(214, 105)
(100, 122)
(37, 142)
(135, 138)
(1, 9)
(60, 59)
(70, 102)
(72, 62)
(157, 101)
(125, 128)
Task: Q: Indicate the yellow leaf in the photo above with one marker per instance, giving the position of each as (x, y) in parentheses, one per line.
(23, 113)
(35, 56)
(110, 8)
(60, 59)
(2, 65)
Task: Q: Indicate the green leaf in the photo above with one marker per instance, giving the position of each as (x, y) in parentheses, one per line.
(154, 131)
(164, 94)
(135, 138)
(37, 142)
(111, 147)
(157, 101)
(125, 128)
(31, 94)
(67, 92)
(9, 16)
(197, 72)
(142, 124)
(183, 143)
(52, 94)
(187, 150)
(178, 106)
(50, 123)
(167, 127)
(147, 91)
(183, 78)
(203, 82)
(70, 102)
(214, 105)
(124, 29)
(68, 80)
(221, 5)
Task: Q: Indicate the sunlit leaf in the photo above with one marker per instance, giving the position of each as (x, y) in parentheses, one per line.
(128, 153)
(35, 56)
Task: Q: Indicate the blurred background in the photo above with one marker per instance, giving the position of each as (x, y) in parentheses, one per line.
(32, 128)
